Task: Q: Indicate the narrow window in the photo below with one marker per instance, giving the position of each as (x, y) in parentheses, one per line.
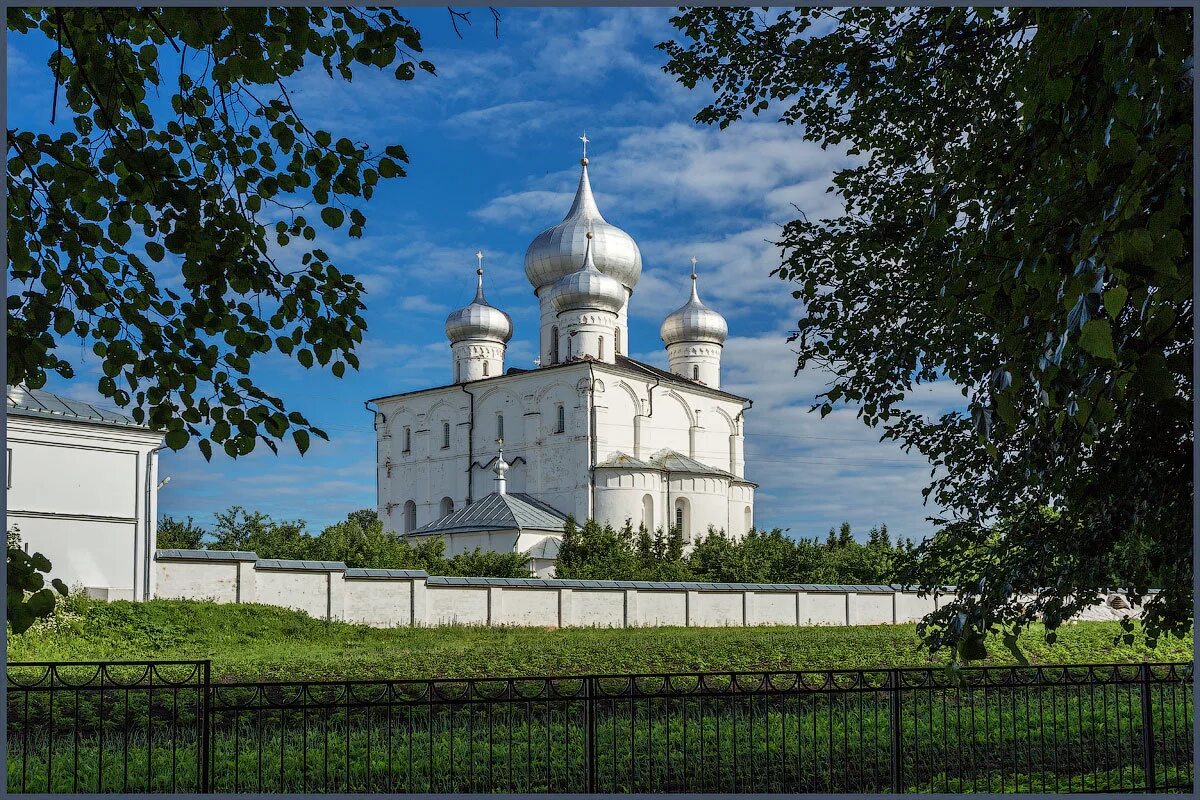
(683, 519)
(695, 373)
(554, 345)
(457, 372)
(499, 426)
(617, 341)
(562, 419)
(485, 369)
(410, 516)
(570, 348)
(447, 506)
(600, 349)
(408, 440)
(445, 435)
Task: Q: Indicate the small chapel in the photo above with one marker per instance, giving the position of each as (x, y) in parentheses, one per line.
(499, 457)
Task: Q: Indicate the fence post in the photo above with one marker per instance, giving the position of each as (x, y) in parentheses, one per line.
(897, 738)
(206, 730)
(1147, 730)
(589, 715)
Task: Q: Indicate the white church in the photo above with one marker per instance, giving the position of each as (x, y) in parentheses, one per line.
(499, 457)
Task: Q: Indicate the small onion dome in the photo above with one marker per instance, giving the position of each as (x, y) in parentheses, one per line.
(587, 288)
(555, 252)
(694, 322)
(479, 319)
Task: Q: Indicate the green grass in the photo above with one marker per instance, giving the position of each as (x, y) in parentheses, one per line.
(256, 642)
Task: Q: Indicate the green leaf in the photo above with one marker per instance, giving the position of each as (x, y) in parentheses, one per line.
(1114, 300)
(333, 217)
(300, 437)
(177, 439)
(1096, 338)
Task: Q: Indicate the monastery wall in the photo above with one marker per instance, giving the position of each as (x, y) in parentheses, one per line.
(400, 598)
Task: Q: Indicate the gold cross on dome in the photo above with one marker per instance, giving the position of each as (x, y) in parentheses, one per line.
(585, 141)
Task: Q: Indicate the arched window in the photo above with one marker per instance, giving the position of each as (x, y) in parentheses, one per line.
(447, 506)
(554, 345)
(408, 440)
(695, 373)
(600, 349)
(457, 371)
(445, 435)
(410, 516)
(561, 424)
(570, 348)
(683, 518)
(499, 426)
(648, 513)
(485, 369)
(617, 341)
(749, 519)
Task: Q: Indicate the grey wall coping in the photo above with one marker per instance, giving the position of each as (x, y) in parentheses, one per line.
(205, 555)
(360, 573)
(286, 563)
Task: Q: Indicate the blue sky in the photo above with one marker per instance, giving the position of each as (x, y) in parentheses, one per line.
(494, 148)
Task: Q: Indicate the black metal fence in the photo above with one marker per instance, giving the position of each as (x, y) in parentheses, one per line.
(165, 726)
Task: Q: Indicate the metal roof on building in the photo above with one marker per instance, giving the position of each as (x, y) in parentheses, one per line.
(39, 403)
(666, 461)
(546, 548)
(498, 512)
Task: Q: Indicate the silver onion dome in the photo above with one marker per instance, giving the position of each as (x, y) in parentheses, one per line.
(478, 319)
(587, 287)
(694, 322)
(556, 252)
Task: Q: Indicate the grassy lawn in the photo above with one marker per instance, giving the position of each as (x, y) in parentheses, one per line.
(256, 642)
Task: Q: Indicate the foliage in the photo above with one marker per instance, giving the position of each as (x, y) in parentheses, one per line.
(357, 541)
(28, 597)
(598, 552)
(1017, 221)
(152, 225)
(174, 534)
(257, 642)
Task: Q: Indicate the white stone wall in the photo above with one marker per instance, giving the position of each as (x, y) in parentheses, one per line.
(397, 598)
(389, 598)
(79, 493)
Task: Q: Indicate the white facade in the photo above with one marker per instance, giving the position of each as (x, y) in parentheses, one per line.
(427, 439)
(590, 432)
(82, 488)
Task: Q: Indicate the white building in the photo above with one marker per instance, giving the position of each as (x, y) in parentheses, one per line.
(590, 432)
(82, 488)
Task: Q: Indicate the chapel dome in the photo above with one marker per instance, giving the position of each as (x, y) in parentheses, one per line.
(694, 322)
(556, 252)
(478, 319)
(587, 287)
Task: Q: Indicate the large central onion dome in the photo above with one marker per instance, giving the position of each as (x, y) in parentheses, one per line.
(556, 252)
(479, 319)
(694, 322)
(587, 288)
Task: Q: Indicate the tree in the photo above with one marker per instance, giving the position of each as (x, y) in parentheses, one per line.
(177, 534)
(28, 597)
(1018, 221)
(153, 227)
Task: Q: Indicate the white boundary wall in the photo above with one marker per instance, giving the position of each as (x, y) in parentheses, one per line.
(392, 598)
